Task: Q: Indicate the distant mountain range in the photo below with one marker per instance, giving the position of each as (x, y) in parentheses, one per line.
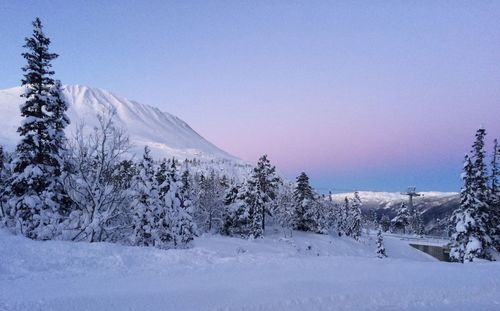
(165, 134)
(433, 205)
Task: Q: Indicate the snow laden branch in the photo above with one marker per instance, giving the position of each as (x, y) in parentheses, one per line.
(94, 186)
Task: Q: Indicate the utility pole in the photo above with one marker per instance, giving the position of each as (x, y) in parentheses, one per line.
(411, 193)
(416, 221)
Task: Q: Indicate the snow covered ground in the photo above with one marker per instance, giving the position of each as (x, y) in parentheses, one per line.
(307, 272)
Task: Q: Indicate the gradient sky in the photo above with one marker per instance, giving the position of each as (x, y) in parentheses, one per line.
(370, 95)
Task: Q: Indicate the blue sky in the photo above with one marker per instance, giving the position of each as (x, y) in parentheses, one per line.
(359, 94)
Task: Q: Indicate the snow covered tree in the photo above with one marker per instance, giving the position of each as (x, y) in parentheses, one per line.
(210, 204)
(252, 200)
(340, 217)
(401, 221)
(331, 209)
(284, 209)
(494, 202)
(267, 182)
(385, 223)
(178, 210)
(4, 185)
(125, 174)
(38, 197)
(343, 218)
(102, 211)
(320, 213)
(146, 202)
(380, 244)
(420, 223)
(470, 239)
(355, 217)
(303, 198)
(231, 211)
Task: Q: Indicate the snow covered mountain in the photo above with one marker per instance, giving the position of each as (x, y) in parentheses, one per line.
(165, 134)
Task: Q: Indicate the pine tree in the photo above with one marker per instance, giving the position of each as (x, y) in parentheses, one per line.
(470, 239)
(385, 223)
(145, 207)
(174, 221)
(355, 219)
(253, 199)
(3, 185)
(228, 217)
(284, 209)
(303, 198)
(401, 220)
(166, 178)
(344, 219)
(420, 224)
(321, 215)
(380, 244)
(267, 183)
(494, 220)
(183, 226)
(38, 196)
(339, 216)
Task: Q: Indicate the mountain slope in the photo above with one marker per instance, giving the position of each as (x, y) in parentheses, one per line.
(165, 134)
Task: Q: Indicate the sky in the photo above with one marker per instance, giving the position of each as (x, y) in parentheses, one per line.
(361, 95)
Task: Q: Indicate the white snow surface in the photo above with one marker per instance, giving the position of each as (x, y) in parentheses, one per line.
(166, 135)
(306, 272)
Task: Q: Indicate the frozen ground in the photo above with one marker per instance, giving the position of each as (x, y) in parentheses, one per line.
(308, 272)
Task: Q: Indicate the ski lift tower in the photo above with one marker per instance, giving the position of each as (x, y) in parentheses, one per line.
(412, 192)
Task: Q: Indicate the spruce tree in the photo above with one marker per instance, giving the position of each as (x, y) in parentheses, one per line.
(145, 207)
(303, 198)
(284, 211)
(494, 220)
(401, 219)
(181, 211)
(355, 220)
(253, 199)
(231, 212)
(38, 196)
(385, 223)
(167, 179)
(267, 183)
(321, 214)
(3, 186)
(380, 244)
(345, 215)
(470, 239)
(174, 222)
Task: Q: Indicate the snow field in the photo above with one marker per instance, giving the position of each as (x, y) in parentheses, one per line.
(306, 272)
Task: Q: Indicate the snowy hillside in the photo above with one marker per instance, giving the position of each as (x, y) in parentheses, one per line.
(164, 133)
(308, 272)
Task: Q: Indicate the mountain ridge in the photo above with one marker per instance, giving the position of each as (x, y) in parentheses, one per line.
(166, 134)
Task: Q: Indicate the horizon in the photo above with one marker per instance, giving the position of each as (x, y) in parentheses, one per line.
(375, 98)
